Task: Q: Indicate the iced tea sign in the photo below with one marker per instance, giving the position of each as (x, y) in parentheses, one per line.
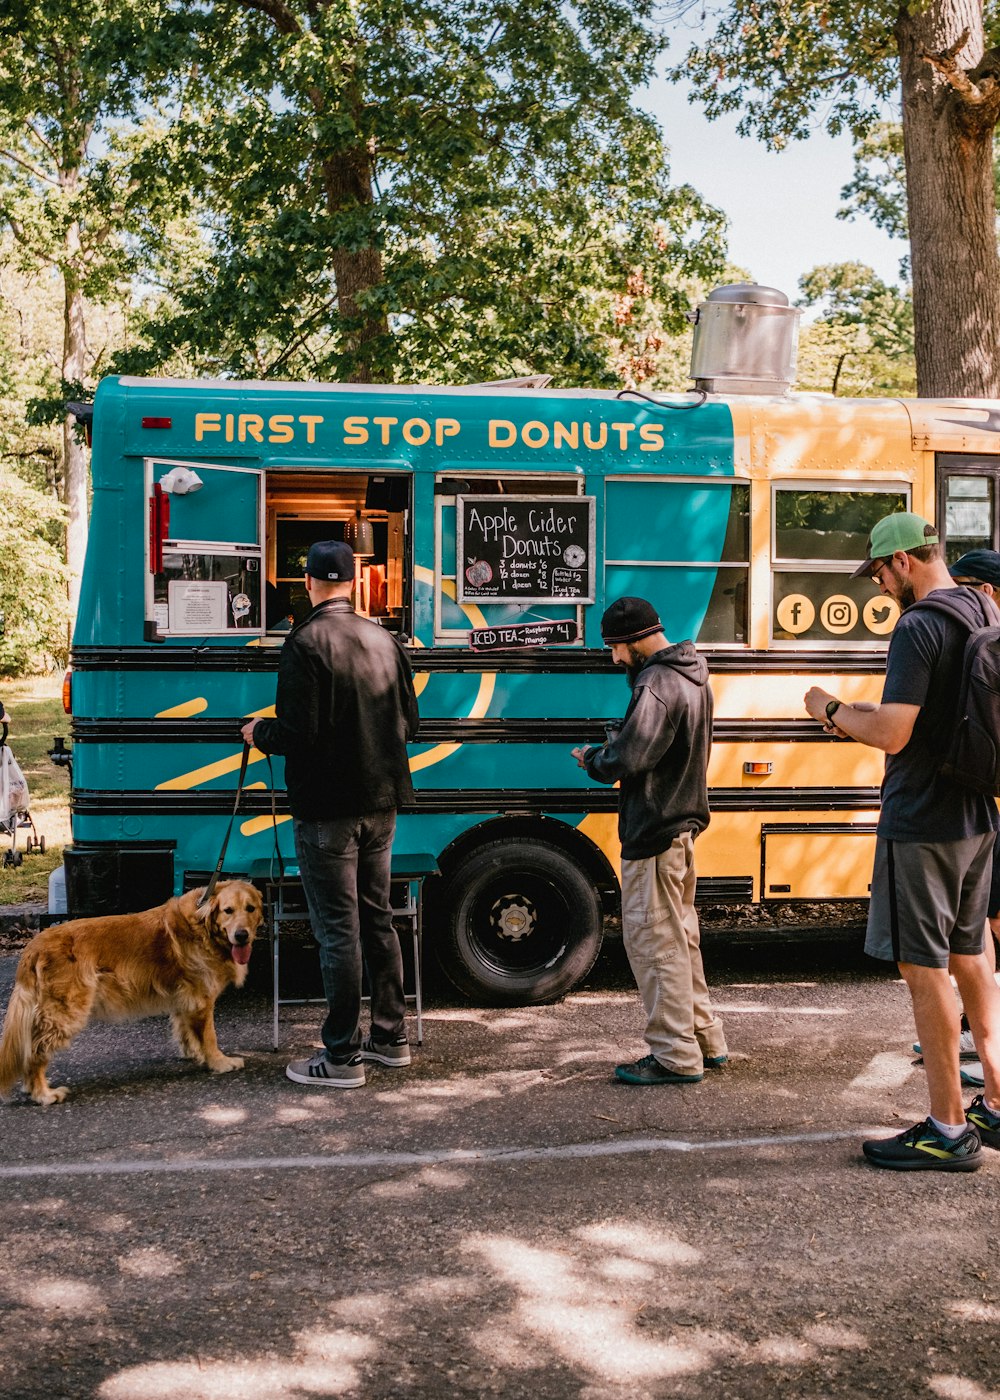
(525, 549)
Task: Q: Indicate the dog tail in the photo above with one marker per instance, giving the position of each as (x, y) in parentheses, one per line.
(15, 1046)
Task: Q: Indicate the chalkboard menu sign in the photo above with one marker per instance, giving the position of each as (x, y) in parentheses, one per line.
(525, 549)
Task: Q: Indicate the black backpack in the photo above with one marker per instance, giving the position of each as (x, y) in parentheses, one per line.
(972, 751)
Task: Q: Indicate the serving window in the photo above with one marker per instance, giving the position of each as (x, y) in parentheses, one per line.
(819, 537)
(370, 511)
(227, 547)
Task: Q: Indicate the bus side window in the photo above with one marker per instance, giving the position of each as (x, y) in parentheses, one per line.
(819, 536)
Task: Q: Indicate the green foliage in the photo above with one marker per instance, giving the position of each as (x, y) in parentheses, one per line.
(36, 712)
(862, 342)
(776, 62)
(878, 187)
(32, 580)
(420, 190)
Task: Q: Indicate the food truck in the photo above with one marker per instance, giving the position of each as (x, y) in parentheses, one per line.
(492, 525)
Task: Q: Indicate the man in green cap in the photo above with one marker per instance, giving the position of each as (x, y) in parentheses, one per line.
(934, 843)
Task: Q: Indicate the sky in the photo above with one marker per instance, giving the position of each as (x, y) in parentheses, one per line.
(782, 206)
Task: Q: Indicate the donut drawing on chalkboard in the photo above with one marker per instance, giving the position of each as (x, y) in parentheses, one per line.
(574, 556)
(479, 573)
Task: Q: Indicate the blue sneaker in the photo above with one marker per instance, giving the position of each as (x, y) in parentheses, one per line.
(923, 1149)
(715, 1061)
(648, 1070)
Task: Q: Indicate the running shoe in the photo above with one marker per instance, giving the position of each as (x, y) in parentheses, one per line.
(985, 1120)
(923, 1149)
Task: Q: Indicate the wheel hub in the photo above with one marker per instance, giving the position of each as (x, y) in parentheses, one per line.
(513, 917)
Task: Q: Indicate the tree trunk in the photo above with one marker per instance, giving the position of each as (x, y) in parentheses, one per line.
(74, 453)
(948, 124)
(347, 181)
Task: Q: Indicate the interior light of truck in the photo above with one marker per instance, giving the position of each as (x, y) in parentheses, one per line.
(157, 422)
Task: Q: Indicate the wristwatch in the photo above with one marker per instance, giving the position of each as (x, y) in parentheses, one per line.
(832, 706)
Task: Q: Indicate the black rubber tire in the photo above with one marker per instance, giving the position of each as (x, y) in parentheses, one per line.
(519, 922)
(41, 845)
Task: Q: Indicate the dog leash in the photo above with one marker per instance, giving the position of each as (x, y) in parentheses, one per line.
(210, 887)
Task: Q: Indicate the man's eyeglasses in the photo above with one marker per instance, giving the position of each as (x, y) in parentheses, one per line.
(876, 574)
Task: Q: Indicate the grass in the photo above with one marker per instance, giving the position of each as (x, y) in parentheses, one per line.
(36, 716)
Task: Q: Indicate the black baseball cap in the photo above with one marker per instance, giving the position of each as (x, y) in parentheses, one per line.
(330, 560)
(983, 565)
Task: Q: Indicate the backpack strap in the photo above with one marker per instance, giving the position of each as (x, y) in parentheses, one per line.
(991, 614)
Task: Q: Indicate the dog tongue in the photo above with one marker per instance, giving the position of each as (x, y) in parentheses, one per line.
(241, 955)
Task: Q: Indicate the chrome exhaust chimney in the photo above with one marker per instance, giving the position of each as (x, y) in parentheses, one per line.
(745, 341)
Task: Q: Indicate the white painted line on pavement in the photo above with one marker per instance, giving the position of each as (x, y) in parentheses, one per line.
(626, 1147)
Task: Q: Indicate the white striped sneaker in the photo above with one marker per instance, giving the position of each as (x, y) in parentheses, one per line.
(393, 1053)
(328, 1073)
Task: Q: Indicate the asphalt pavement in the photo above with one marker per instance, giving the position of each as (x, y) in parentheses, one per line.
(502, 1218)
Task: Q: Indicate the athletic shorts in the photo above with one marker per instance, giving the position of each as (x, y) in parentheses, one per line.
(929, 899)
(993, 909)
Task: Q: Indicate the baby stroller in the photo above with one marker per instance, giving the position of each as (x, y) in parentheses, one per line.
(14, 812)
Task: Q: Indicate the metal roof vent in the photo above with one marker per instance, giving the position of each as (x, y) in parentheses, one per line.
(745, 341)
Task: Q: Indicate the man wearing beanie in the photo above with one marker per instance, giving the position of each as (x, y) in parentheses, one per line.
(344, 710)
(660, 758)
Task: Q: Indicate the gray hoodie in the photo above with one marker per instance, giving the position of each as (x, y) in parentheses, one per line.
(660, 754)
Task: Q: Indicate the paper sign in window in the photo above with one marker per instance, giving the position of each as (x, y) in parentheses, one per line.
(197, 607)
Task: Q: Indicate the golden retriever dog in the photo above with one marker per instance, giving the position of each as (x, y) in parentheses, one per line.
(174, 960)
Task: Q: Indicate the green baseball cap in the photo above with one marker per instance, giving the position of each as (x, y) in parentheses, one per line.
(901, 531)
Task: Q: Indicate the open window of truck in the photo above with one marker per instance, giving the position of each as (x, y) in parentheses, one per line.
(227, 546)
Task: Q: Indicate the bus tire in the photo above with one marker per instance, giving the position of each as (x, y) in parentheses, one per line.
(521, 923)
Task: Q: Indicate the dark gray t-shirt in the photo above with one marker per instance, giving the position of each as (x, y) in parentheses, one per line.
(924, 667)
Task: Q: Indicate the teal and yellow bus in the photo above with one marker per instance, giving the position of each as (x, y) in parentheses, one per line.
(492, 526)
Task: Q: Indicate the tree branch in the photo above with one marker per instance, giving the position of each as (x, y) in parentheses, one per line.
(38, 174)
(41, 451)
(283, 17)
(300, 336)
(974, 85)
(42, 141)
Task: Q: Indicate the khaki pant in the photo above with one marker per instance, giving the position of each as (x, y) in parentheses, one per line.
(662, 940)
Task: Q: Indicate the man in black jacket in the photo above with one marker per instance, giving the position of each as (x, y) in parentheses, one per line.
(344, 711)
(660, 758)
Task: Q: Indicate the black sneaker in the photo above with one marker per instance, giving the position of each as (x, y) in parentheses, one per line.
(987, 1122)
(923, 1149)
(394, 1053)
(648, 1070)
(349, 1074)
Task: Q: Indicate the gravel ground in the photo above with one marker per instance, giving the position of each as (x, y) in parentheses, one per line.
(502, 1218)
